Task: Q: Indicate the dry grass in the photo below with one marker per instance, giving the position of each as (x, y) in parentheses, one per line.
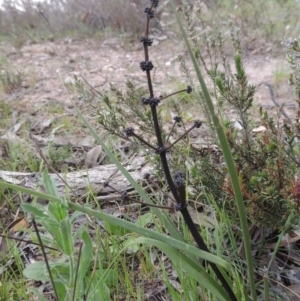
(262, 24)
(57, 17)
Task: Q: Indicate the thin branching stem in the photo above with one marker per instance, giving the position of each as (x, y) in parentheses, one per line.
(164, 97)
(171, 131)
(180, 199)
(77, 270)
(183, 135)
(27, 241)
(144, 141)
(44, 255)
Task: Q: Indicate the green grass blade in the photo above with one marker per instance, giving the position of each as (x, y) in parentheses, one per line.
(228, 158)
(164, 218)
(180, 245)
(197, 272)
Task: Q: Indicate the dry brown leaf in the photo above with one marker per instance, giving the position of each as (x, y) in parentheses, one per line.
(203, 219)
(21, 224)
(41, 125)
(92, 156)
(17, 225)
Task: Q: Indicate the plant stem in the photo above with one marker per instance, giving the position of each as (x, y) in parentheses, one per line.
(180, 199)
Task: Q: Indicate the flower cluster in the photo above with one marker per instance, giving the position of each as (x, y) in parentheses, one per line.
(179, 179)
(197, 123)
(177, 119)
(146, 40)
(124, 196)
(146, 65)
(189, 89)
(149, 12)
(129, 132)
(161, 149)
(152, 101)
(154, 3)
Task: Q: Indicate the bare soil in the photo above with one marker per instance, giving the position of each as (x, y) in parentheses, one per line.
(47, 68)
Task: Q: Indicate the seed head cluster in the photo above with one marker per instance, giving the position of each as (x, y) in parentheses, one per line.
(152, 101)
(149, 12)
(197, 123)
(161, 149)
(146, 40)
(146, 65)
(129, 132)
(179, 207)
(105, 184)
(154, 3)
(189, 89)
(177, 119)
(179, 179)
(124, 196)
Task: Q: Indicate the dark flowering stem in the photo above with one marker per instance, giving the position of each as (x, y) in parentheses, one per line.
(176, 186)
(201, 244)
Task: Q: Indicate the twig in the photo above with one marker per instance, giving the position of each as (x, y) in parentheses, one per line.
(45, 256)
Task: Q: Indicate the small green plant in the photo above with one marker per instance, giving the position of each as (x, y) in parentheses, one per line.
(10, 81)
(262, 157)
(72, 276)
(58, 155)
(292, 56)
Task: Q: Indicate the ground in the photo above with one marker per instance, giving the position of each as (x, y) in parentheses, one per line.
(47, 67)
(45, 93)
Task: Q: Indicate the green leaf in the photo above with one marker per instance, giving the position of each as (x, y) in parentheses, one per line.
(38, 214)
(57, 211)
(115, 230)
(37, 293)
(144, 219)
(86, 255)
(99, 289)
(36, 271)
(193, 251)
(49, 184)
(66, 235)
(42, 218)
(61, 271)
(62, 290)
(131, 227)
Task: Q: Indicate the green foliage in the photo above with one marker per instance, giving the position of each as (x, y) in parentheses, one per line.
(185, 255)
(10, 81)
(265, 160)
(59, 224)
(58, 155)
(292, 57)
